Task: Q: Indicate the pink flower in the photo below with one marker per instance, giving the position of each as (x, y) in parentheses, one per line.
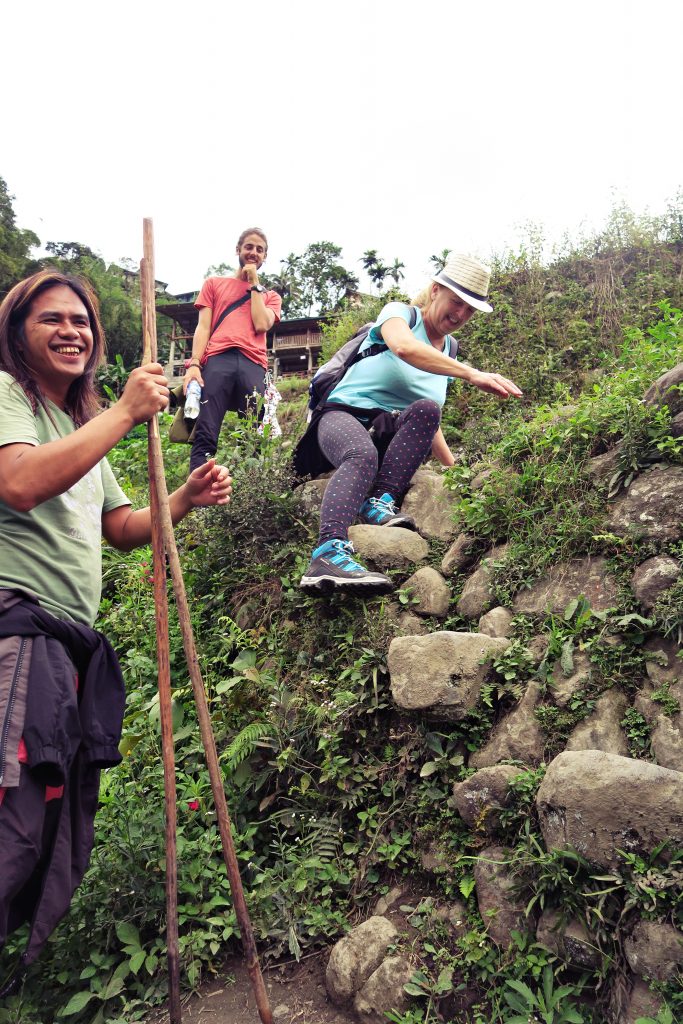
(193, 805)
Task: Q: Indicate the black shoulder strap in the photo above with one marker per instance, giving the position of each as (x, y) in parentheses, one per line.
(230, 308)
(380, 346)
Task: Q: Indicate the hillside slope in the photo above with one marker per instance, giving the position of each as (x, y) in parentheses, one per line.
(423, 759)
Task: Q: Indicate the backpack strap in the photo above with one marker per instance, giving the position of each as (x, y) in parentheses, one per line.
(452, 346)
(380, 346)
(226, 312)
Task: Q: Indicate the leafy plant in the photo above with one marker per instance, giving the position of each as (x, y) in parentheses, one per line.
(637, 732)
(546, 1003)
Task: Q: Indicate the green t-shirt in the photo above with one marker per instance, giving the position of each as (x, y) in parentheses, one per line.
(55, 550)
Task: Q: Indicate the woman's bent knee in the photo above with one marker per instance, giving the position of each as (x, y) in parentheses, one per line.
(364, 457)
(427, 409)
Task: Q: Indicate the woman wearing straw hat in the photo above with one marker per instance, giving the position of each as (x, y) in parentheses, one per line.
(390, 405)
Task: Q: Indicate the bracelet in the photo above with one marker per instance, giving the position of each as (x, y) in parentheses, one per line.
(193, 362)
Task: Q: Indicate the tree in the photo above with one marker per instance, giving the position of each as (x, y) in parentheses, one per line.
(220, 270)
(314, 281)
(15, 245)
(378, 271)
(396, 271)
(370, 260)
(286, 284)
(440, 259)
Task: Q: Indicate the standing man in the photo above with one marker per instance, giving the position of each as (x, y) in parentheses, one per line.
(229, 347)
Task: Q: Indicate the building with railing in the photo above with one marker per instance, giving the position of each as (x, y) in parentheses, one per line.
(293, 345)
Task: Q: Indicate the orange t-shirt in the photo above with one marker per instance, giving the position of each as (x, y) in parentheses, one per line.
(237, 330)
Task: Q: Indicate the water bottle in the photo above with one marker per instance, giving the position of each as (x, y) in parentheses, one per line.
(192, 400)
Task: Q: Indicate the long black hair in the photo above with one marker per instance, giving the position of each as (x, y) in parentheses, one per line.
(82, 399)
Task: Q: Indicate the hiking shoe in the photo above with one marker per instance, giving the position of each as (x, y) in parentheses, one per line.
(383, 512)
(333, 567)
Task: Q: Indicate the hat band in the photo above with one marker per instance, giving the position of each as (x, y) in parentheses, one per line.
(454, 284)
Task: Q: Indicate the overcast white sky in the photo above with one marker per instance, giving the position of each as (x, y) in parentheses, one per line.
(401, 126)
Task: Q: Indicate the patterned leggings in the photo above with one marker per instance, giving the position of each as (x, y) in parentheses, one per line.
(349, 447)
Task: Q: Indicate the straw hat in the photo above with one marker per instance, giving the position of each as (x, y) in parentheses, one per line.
(469, 279)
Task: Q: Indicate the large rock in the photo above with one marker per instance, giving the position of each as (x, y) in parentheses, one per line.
(662, 661)
(667, 390)
(398, 894)
(310, 495)
(652, 578)
(654, 950)
(407, 622)
(602, 729)
(476, 594)
(454, 917)
(497, 622)
(603, 467)
(480, 798)
(651, 508)
(356, 956)
(383, 991)
(666, 739)
(388, 547)
(436, 858)
(459, 555)
(566, 581)
(641, 1002)
(570, 940)
(661, 700)
(598, 804)
(500, 479)
(517, 737)
(441, 673)
(431, 590)
(537, 649)
(502, 912)
(431, 505)
(565, 685)
(666, 731)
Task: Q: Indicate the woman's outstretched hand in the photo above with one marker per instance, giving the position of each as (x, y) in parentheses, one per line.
(495, 384)
(208, 485)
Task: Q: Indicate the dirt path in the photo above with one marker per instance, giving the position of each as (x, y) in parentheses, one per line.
(296, 993)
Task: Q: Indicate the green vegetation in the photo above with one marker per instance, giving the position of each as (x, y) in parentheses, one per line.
(333, 793)
(116, 286)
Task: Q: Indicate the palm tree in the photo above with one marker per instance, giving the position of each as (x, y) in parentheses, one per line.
(396, 271)
(377, 275)
(342, 284)
(369, 259)
(440, 260)
(374, 268)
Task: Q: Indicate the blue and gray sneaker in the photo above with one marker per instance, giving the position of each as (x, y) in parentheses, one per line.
(383, 512)
(333, 567)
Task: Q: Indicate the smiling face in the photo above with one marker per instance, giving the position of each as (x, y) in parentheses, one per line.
(57, 341)
(252, 250)
(446, 313)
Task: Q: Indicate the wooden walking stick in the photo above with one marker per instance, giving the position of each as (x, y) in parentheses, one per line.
(222, 815)
(149, 354)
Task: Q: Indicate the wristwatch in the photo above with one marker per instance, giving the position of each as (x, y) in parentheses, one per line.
(257, 288)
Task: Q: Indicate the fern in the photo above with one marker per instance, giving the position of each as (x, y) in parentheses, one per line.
(245, 743)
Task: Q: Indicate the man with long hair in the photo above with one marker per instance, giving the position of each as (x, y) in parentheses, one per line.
(61, 691)
(229, 358)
